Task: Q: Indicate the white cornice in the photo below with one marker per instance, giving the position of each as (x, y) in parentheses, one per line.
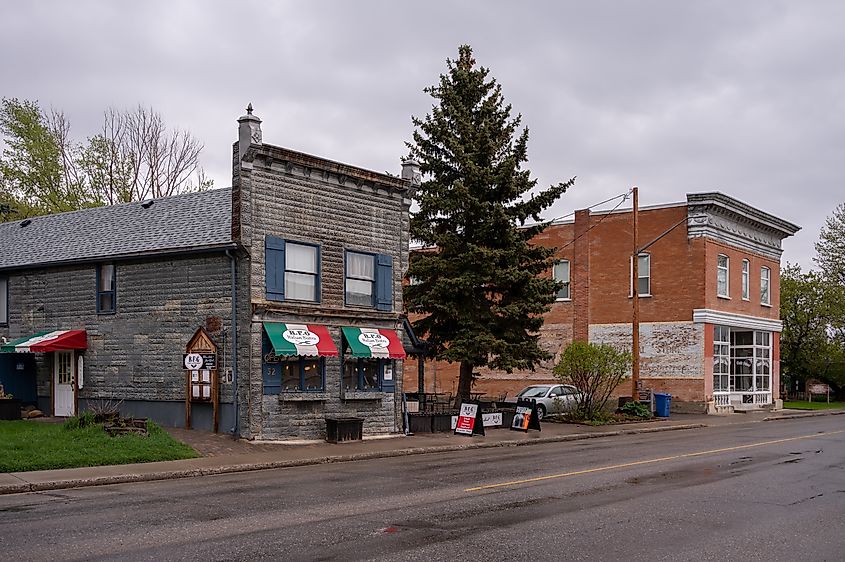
(709, 316)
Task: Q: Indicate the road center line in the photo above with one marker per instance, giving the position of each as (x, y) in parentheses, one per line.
(648, 461)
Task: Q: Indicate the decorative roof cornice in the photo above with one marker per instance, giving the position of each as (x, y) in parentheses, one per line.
(720, 217)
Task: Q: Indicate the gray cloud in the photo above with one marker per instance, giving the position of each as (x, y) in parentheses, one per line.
(743, 97)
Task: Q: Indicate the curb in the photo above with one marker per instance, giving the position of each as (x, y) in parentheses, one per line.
(25, 487)
(807, 415)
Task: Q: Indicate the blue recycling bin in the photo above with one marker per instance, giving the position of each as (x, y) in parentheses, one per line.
(662, 402)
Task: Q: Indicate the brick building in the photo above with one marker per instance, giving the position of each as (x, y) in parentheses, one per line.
(294, 274)
(709, 302)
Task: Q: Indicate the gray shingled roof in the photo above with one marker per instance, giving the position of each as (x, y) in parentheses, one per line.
(181, 222)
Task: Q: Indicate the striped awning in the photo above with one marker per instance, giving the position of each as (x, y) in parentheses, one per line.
(373, 342)
(300, 339)
(43, 342)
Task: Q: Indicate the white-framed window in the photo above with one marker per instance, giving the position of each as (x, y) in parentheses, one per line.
(360, 279)
(722, 268)
(765, 279)
(746, 273)
(561, 272)
(721, 358)
(292, 270)
(4, 300)
(742, 360)
(368, 280)
(643, 275)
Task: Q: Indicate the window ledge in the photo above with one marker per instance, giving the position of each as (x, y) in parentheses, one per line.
(746, 299)
(303, 396)
(766, 305)
(563, 300)
(727, 298)
(363, 395)
(648, 296)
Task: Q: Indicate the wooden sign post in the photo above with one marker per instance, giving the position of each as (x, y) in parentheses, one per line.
(200, 364)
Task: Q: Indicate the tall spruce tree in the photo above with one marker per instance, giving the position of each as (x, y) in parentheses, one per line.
(480, 287)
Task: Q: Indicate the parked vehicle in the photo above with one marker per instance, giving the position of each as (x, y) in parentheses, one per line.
(551, 398)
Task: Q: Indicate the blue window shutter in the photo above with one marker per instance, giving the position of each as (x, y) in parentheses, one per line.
(271, 372)
(387, 385)
(274, 268)
(384, 282)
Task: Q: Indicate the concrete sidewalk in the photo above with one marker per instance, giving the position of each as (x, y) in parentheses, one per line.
(222, 454)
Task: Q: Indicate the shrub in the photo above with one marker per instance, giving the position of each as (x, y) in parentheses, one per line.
(636, 409)
(83, 420)
(596, 370)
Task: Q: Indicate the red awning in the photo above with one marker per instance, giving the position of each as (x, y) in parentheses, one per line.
(43, 342)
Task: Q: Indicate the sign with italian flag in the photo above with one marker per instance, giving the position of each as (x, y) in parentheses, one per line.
(308, 340)
(373, 342)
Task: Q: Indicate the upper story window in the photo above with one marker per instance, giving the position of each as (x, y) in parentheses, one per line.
(292, 270)
(644, 274)
(746, 270)
(4, 300)
(722, 266)
(765, 279)
(106, 288)
(561, 274)
(369, 280)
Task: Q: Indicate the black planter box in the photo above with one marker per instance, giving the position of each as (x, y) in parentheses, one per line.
(419, 423)
(339, 430)
(10, 409)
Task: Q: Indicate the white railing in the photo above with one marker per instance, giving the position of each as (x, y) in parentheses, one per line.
(760, 398)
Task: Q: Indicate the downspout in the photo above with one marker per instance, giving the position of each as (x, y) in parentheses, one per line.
(234, 345)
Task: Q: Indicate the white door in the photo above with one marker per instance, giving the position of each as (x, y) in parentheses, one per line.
(63, 384)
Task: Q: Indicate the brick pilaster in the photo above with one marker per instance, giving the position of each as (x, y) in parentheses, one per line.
(581, 277)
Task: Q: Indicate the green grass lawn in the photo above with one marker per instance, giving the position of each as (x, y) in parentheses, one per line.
(816, 404)
(31, 445)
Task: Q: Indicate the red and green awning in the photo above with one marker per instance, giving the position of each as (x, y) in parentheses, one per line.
(373, 342)
(300, 339)
(43, 342)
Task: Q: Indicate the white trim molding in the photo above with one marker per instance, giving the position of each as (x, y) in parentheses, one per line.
(709, 316)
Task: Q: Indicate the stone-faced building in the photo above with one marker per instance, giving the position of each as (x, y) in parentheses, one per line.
(709, 301)
(294, 274)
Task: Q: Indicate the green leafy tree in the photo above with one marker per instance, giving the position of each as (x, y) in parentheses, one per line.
(812, 344)
(134, 157)
(37, 175)
(596, 370)
(831, 246)
(479, 289)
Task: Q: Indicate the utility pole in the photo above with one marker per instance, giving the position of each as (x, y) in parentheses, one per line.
(635, 322)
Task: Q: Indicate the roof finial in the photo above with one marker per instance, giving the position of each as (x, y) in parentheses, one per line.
(249, 109)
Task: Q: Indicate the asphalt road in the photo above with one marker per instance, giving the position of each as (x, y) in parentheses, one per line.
(757, 491)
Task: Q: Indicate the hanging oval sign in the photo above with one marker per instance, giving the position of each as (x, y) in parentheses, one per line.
(301, 337)
(193, 361)
(372, 339)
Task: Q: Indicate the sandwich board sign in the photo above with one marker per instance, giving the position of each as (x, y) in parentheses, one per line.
(470, 421)
(525, 417)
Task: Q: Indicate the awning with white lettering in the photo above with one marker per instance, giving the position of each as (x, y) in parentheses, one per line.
(43, 342)
(308, 340)
(373, 342)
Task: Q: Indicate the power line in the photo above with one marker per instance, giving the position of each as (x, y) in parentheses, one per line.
(604, 216)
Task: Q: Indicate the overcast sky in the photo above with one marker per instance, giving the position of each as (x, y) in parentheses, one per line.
(747, 98)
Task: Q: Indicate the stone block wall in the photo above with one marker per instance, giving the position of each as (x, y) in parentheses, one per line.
(307, 199)
(134, 354)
